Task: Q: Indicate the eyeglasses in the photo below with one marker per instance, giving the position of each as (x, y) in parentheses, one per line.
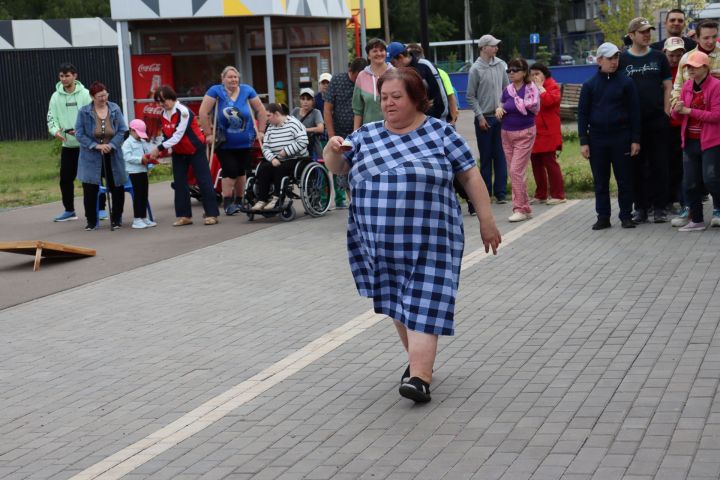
(514, 70)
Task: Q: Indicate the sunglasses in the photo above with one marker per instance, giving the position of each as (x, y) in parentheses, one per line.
(514, 70)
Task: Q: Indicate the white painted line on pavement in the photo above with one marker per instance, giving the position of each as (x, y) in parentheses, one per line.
(142, 451)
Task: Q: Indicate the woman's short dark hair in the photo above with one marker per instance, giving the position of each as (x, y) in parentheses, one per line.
(414, 86)
(278, 108)
(522, 65)
(166, 92)
(540, 67)
(96, 87)
(375, 43)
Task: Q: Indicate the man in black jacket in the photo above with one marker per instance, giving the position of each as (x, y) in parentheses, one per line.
(609, 130)
(398, 55)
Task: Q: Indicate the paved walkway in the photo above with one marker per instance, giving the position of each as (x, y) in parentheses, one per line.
(578, 355)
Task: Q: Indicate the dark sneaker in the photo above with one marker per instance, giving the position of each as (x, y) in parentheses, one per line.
(116, 224)
(232, 209)
(501, 201)
(602, 223)
(416, 390)
(640, 217)
(627, 223)
(471, 208)
(89, 228)
(660, 216)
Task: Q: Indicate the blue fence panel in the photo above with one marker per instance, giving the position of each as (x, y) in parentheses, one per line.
(459, 81)
(565, 74)
(573, 73)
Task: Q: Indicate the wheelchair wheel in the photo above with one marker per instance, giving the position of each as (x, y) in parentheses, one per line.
(288, 214)
(315, 189)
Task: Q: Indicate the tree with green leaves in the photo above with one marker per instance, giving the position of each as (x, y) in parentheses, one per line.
(31, 9)
(615, 17)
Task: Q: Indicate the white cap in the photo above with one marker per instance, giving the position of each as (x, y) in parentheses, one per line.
(308, 91)
(607, 50)
(325, 77)
(674, 43)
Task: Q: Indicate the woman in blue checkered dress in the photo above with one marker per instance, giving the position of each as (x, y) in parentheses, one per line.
(405, 230)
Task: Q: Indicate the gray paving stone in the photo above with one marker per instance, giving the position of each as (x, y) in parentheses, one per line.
(607, 367)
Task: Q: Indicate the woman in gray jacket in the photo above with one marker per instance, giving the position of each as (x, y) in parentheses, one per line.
(100, 130)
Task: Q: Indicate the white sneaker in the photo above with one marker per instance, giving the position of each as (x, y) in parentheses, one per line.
(519, 217)
(258, 206)
(149, 222)
(272, 203)
(715, 222)
(139, 223)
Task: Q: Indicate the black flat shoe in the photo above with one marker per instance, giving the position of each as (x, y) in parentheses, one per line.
(627, 223)
(405, 376)
(601, 224)
(416, 390)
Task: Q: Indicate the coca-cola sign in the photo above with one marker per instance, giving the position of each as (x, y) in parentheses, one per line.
(152, 109)
(148, 68)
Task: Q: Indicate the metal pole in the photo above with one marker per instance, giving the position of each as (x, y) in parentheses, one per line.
(269, 59)
(126, 85)
(386, 21)
(468, 33)
(424, 36)
(363, 33)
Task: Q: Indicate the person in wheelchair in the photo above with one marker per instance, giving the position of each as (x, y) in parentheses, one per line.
(285, 143)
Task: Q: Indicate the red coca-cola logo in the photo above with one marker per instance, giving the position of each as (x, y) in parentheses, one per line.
(149, 68)
(152, 109)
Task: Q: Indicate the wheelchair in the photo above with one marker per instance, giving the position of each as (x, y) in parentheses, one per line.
(314, 189)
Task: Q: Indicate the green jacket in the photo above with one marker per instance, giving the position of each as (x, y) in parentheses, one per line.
(63, 111)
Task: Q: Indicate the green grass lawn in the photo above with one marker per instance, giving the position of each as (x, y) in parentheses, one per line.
(30, 172)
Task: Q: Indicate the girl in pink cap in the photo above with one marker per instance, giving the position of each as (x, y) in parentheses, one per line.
(699, 110)
(134, 150)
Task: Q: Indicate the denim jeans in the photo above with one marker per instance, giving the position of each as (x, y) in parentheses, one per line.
(492, 158)
(701, 170)
(603, 155)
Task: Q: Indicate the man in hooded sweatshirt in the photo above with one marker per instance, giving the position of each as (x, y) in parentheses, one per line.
(70, 95)
(486, 81)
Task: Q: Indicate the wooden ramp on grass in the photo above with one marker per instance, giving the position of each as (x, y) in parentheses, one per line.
(41, 249)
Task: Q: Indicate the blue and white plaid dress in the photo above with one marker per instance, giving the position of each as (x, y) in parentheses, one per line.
(405, 231)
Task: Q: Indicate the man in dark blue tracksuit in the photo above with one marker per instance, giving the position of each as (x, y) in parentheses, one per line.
(609, 130)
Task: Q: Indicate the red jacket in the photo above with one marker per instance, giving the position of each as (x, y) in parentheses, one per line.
(181, 131)
(547, 120)
(710, 134)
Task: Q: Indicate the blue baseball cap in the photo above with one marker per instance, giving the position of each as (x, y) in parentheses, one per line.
(394, 49)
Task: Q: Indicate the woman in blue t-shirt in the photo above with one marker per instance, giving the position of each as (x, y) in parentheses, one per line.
(236, 127)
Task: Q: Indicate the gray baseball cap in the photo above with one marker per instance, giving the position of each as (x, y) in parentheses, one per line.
(486, 40)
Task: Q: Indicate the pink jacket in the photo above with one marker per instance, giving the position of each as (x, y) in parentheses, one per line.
(710, 135)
